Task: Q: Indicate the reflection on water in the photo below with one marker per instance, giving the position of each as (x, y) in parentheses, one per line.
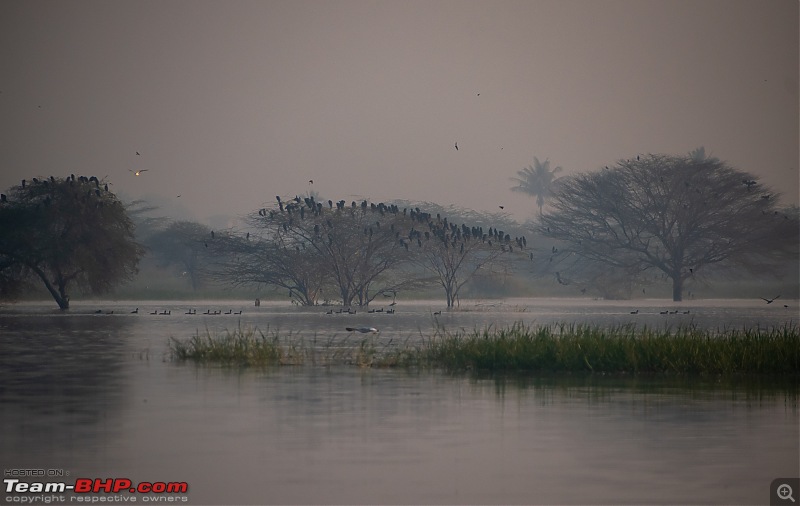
(92, 394)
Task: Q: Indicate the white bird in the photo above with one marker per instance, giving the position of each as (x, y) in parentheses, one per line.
(137, 172)
(363, 330)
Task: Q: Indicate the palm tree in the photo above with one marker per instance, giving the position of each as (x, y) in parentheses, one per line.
(699, 155)
(537, 180)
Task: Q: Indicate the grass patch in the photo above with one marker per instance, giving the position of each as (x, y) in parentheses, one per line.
(252, 347)
(244, 347)
(519, 348)
(623, 349)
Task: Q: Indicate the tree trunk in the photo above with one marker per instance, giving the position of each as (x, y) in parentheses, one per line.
(60, 295)
(451, 293)
(677, 288)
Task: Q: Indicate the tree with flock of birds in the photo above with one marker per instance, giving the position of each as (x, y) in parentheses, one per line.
(359, 250)
(64, 233)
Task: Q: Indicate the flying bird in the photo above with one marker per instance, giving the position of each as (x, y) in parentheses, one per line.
(138, 154)
(137, 172)
(456, 146)
(770, 301)
(363, 330)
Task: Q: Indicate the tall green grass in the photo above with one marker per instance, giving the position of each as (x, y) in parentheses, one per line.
(519, 348)
(623, 349)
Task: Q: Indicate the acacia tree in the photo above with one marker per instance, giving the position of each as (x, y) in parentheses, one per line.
(673, 214)
(454, 254)
(537, 180)
(66, 232)
(262, 258)
(360, 250)
(304, 245)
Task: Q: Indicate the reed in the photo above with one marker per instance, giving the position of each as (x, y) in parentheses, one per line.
(253, 347)
(622, 349)
(520, 348)
(242, 347)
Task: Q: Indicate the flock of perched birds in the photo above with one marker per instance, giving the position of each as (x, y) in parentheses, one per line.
(451, 235)
(79, 184)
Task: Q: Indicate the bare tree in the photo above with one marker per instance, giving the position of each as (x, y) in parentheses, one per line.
(359, 250)
(673, 214)
(305, 245)
(454, 254)
(266, 256)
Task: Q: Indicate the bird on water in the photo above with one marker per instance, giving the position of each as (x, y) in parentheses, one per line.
(363, 330)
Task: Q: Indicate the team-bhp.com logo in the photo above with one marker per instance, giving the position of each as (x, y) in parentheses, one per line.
(156, 491)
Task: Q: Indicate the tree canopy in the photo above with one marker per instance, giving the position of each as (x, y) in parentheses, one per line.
(66, 232)
(676, 215)
(357, 250)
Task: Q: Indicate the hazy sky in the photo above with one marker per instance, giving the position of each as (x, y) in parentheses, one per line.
(233, 102)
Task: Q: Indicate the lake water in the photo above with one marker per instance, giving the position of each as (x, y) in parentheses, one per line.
(94, 395)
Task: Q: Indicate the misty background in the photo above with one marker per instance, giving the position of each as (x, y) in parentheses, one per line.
(231, 103)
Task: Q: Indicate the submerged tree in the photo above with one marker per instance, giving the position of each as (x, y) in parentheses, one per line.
(66, 232)
(454, 254)
(537, 180)
(673, 214)
(304, 245)
(260, 258)
(358, 250)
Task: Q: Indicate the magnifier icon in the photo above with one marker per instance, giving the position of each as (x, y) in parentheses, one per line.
(785, 492)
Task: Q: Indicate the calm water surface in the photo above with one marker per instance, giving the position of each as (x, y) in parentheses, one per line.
(94, 394)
